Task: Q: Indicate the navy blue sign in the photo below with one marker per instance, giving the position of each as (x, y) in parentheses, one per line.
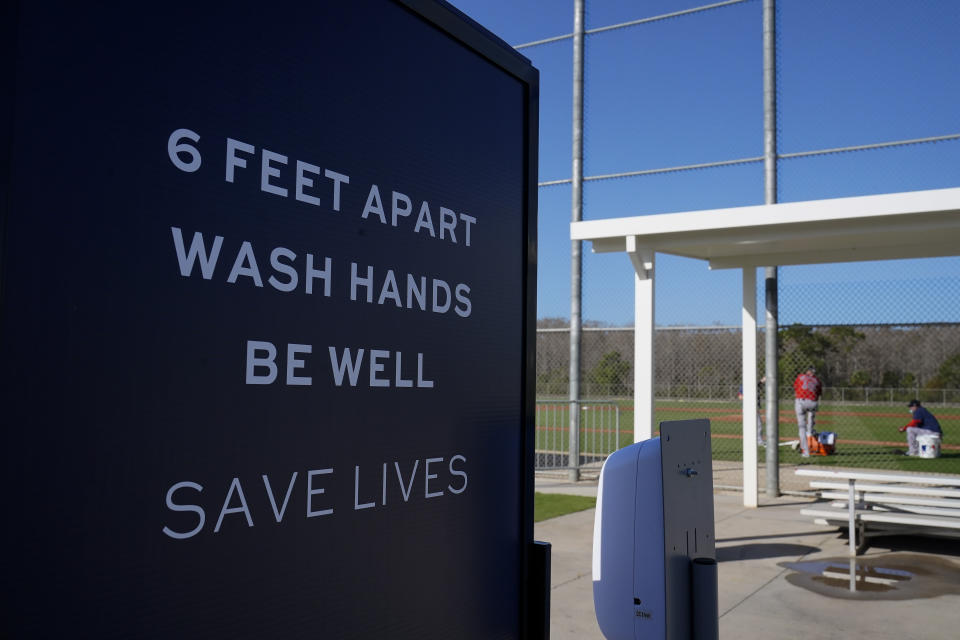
(266, 309)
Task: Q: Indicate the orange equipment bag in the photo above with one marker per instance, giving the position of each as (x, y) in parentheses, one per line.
(822, 444)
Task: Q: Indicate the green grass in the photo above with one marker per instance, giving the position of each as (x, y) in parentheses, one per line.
(874, 425)
(551, 505)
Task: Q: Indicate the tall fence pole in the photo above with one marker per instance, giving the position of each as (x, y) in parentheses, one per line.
(576, 267)
(770, 184)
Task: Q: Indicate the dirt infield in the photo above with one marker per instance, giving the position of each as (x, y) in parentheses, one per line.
(879, 443)
(786, 414)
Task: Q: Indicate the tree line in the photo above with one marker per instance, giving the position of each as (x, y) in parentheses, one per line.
(891, 356)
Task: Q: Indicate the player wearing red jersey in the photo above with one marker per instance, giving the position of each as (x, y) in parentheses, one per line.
(807, 389)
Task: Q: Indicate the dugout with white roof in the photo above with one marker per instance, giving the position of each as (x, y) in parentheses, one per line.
(916, 224)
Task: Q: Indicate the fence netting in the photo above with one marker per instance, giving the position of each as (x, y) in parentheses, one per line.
(673, 122)
(869, 374)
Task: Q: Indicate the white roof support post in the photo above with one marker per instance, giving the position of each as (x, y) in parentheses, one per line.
(750, 489)
(643, 313)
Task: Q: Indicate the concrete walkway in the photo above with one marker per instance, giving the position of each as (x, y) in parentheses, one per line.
(771, 572)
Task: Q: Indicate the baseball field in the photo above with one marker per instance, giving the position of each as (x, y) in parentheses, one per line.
(867, 435)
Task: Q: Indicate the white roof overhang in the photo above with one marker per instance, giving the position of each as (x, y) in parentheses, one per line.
(917, 224)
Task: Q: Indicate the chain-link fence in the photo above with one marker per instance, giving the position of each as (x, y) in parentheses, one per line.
(674, 119)
(869, 374)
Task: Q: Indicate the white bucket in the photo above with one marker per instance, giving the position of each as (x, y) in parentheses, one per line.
(929, 446)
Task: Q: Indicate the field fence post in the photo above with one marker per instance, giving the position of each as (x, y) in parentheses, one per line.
(617, 417)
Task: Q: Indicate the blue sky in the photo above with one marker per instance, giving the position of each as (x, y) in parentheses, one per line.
(688, 90)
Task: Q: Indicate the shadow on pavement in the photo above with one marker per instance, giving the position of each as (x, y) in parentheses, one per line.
(765, 550)
(917, 544)
(772, 535)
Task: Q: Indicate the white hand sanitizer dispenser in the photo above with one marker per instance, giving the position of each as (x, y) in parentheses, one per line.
(654, 559)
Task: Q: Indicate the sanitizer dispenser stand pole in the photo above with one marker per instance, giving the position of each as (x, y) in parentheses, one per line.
(704, 609)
